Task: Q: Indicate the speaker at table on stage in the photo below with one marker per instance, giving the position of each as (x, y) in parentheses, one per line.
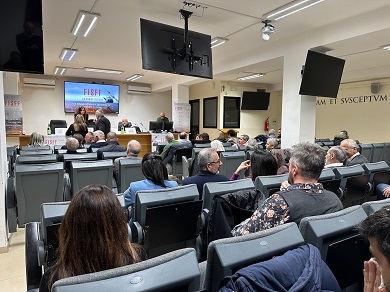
(125, 123)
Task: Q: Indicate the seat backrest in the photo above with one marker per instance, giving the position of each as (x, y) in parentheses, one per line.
(68, 158)
(86, 173)
(174, 271)
(36, 152)
(45, 147)
(328, 143)
(177, 164)
(36, 159)
(160, 146)
(326, 174)
(57, 124)
(113, 155)
(375, 167)
(211, 189)
(373, 206)
(226, 256)
(195, 151)
(130, 170)
(336, 237)
(63, 151)
(36, 184)
(269, 184)
(366, 151)
(202, 145)
(348, 171)
(377, 152)
(386, 155)
(230, 162)
(231, 149)
(186, 164)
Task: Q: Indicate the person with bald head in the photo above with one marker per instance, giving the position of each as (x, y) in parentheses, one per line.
(125, 123)
(133, 150)
(112, 145)
(353, 155)
(162, 118)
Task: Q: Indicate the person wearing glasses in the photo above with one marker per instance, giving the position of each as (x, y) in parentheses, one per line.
(209, 164)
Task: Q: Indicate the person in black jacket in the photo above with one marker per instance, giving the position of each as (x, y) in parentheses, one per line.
(112, 145)
(102, 123)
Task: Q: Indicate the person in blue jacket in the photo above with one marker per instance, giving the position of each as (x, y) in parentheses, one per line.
(156, 177)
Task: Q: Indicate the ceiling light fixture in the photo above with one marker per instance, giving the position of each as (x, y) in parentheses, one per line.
(68, 54)
(85, 22)
(218, 41)
(386, 47)
(134, 77)
(102, 70)
(60, 70)
(256, 75)
(290, 8)
(267, 29)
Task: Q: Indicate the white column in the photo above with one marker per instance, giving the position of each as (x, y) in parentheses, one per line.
(298, 112)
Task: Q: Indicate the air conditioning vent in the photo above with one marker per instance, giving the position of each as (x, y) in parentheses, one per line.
(140, 89)
(36, 82)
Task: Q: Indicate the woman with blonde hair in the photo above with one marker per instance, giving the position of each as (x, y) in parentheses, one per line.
(93, 237)
(217, 146)
(78, 127)
(36, 140)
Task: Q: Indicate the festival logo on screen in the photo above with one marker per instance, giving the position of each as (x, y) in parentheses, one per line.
(91, 96)
(13, 114)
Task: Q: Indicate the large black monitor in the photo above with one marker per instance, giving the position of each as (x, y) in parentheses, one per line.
(155, 126)
(162, 50)
(321, 75)
(252, 100)
(21, 47)
(168, 126)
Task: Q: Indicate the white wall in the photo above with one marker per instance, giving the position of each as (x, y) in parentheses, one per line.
(40, 105)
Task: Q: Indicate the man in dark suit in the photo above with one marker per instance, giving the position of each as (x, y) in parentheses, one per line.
(102, 123)
(99, 139)
(112, 145)
(125, 123)
(353, 155)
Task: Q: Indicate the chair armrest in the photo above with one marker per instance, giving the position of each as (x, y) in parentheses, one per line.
(136, 232)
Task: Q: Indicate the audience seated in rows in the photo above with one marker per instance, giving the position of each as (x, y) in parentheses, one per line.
(272, 133)
(335, 157)
(209, 164)
(272, 143)
(112, 145)
(232, 137)
(252, 144)
(183, 139)
(71, 145)
(243, 140)
(99, 140)
(353, 155)
(89, 138)
(203, 138)
(79, 138)
(217, 145)
(170, 141)
(182, 143)
(133, 149)
(340, 137)
(376, 229)
(36, 140)
(261, 163)
(96, 241)
(300, 197)
(156, 177)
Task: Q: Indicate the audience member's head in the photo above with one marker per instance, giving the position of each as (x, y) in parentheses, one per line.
(344, 133)
(98, 136)
(271, 143)
(376, 228)
(231, 133)
(208, 160)
(169, 137)
(153, 169)
(243, 140)
(111, 136)
(72, 144)
(204, 136)
(133, 148)
(263, 163)
(183, 135)
(93, 235)
(271, 133)
(89, 138)
(279, 156)
(79, 138)
(350, 147)
(216, 145)
(36, 139)
(335, 154)
(306, 163)
(252, 144)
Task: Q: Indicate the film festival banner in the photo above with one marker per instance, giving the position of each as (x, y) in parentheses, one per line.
(13, 114)
(181, 117)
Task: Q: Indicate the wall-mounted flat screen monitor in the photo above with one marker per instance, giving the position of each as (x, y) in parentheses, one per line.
(21, 46)
(321, 75)
(92, 96)
(162, 50)
(253, 100)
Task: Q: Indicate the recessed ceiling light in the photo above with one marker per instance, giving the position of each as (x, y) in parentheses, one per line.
(85, 22)
(59, 70)
(218, 41)
(256, 75)
(134, 77)
(68, 54)
(99, 70)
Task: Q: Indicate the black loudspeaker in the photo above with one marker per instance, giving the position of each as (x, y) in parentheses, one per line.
(375, 87)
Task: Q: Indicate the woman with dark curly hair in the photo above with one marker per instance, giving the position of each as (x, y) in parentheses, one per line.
(93, 237)
(81, 111)
(156, 177)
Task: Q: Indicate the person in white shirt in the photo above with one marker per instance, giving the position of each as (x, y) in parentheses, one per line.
(335, 157)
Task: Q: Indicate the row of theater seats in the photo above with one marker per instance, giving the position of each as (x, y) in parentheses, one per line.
(39, 179)
(333, 234)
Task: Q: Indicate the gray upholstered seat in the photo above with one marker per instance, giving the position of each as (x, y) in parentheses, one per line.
(230, 162)
(129, 170)
(373, 206)
(224, 256)
(269, 184)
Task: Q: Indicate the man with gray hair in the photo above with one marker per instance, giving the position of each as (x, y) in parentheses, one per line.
(335, 157)
(272, 143)
(170, 141)
(301, 197)
(100, 141)
(102, 123)
(209, 164)
(71, 145)
(112, 145)
(353, 155)
(133, 149)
